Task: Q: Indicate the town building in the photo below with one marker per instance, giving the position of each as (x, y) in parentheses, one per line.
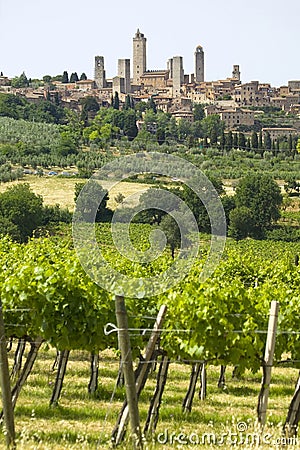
(173, 90)
(279, 132)
(233, 117)
(154, 80)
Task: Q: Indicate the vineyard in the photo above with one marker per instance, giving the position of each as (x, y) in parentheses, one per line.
(49, 302)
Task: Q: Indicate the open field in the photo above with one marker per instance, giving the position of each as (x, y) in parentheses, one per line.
(59, 190)
(81, 421)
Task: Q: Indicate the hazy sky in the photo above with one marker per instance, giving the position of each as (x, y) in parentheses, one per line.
(47, 37)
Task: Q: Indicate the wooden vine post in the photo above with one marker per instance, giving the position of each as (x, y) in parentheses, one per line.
(5, 388)
(126, 355)
(120, 428)
(267, 364)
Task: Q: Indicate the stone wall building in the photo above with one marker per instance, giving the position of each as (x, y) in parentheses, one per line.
(294, 85)
(236, 117)
(118, 85)
(253, 94)
(279, 132)
(155, 79)
(285, 103)
(233, 117)
(85, 85)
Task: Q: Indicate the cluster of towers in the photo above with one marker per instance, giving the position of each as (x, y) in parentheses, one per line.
(126, 83)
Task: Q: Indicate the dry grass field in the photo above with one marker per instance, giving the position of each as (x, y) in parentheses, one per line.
(60, 190)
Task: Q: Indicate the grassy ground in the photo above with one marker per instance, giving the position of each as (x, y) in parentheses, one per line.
(81, 421)
(59, 190)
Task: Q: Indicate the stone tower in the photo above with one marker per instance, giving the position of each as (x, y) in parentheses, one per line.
(199, 64)
(139, 57)
(170, 67)
(99, 72)
(178, 74)
(124, 72)
(236, 74)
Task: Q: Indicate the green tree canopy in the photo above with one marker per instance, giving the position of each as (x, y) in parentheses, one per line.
(88, 202)
(172, 232)
(47, 78)
(129, 127)
(19, 108)
(198, 110)
(196, 205)
(21, 81)
(89, 106)
(67, 144)
(241, 223)
(212, 122)
(261, 195)
(21, 212)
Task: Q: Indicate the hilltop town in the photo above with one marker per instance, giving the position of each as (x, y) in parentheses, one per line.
(173, 91)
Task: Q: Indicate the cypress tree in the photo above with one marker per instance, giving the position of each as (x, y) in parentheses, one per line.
(152, 105)
(213, 136)
(248, 144)
(74, 77)
(260, 142)
(235, 141)
(254, 141)
(290, 143)
(116, 101)
(130, 129)
(83, 76)
(267, 141)
(65, 77)
(127, 102)
(222, 141)
(229, 140)
(241, 141)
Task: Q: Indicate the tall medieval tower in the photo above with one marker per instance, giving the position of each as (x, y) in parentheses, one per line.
(199, 64)
(124, 72)
(236, 74)
(139, 57)
(99, 72)
(177, 74)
